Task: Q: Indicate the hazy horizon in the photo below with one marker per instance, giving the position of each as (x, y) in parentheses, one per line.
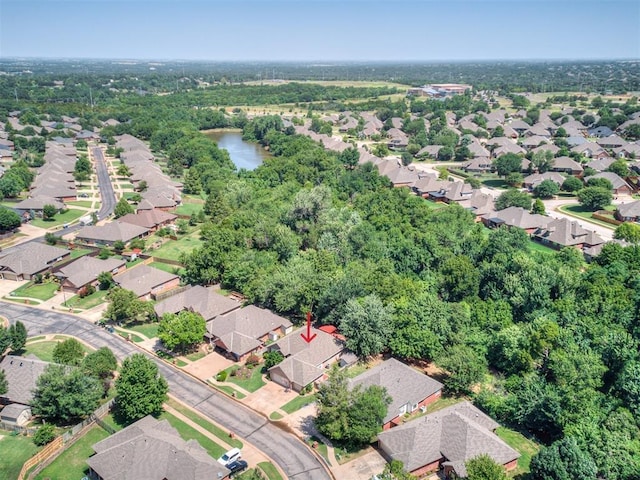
(312, 31)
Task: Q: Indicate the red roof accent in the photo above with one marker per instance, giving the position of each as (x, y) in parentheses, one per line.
(330, 329)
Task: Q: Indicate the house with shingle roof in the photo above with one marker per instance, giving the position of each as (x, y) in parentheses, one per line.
(151, 449)
(590, 149)
(628, 212)
(617, 182)
(516, 217)
(111, 232)
(562, 232)
(600, 164)
(146, 282)
(409, 389)
(448, 438)
(152, 220)
(566, 165)
(37, 204)
(304, 363)
(532, 180)
(22, 375)
(612, 141)
(27, 260)
(479, 203)
(84, 271)
(627, 151)
(245, 330)
(203, 300)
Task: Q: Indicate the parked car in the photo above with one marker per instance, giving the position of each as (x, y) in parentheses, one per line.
(230, 457)
(237, 467)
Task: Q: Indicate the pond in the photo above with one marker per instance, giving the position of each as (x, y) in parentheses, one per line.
(243, 154)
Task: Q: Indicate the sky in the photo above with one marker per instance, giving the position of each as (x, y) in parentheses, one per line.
(321, 30)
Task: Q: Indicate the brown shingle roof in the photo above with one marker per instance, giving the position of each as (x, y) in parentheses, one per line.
(86, 269)
(199, 299)
(30, 258)
(142, 279)
(21, 374)
(112, 232)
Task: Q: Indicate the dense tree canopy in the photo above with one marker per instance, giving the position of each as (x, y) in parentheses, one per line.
(140, 389)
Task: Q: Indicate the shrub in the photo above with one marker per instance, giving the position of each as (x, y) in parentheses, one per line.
(252, 360)
(222, 376)
(45, 434)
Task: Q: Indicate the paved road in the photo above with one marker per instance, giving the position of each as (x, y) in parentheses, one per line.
(107, 195)
(285, 449)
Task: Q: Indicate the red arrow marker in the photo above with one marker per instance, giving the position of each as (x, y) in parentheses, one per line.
(308, 337)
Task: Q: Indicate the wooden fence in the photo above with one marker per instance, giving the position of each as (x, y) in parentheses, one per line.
(48, 451)
(605, 216)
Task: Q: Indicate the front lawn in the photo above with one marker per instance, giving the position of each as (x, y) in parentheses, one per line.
(81, 203)
(270, 470)
(297, 403)
(189, 433)
(40, 291)
(228, 390)
(61, 218)
(527, 448)
(321, 448)
(44, 350)
(577, 210)
(149, 330)
(173, 249)
(90, 301)
(251, 384)
(16, 450)
(72, 463)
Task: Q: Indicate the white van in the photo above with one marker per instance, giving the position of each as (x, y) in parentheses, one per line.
(230, 457)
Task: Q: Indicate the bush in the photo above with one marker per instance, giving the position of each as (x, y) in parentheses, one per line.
(45, 434)
(252, 360)
(86, 291)
(222, 376)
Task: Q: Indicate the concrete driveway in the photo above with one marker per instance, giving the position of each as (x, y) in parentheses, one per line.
(269, 398)
(362, 468)
(208, 366)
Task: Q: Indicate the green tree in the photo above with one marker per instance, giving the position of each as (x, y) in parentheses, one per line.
(464, 368)
(563, 460)
(484, 467)
(367, 325)
(18, 335)
(4, 385)
(119, 246)
(81, 176)
(101, 363)
(628, 231)
(272, 358)
(181, 331)
(349, 157)
(49, 211)
(105, 280)
(192, 182)
(594, 198)
(9, 220)
(600, 182)
(513, 198)
(68, 352)
(45, 434)
(65, 395)
(394, 470)
(366, 413)
(572, 184)
(445, 154)
(51, 238)
(538, 207)
(125, 306)
(333, 400)
(460, 279)
(122, 208)
(546, 189)
(508, 163)
(142, 186)
(629, 386)
(514, 179)
(123, 171)
(620, 168)
(140, 389)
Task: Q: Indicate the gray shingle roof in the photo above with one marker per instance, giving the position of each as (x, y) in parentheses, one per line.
(153, 450)
(112, 232)
(21, 374)
(86, 269)
(13, 411)
(199, 299)
(457, 434)
(631, 209)
(30, 258)
(405, 385)
(142, 279)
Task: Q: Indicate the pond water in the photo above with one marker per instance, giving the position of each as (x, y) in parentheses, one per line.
(243, 154)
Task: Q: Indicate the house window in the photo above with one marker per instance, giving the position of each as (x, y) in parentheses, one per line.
(414, 407)
(403, 409)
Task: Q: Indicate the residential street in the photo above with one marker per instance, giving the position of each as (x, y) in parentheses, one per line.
(107, 196)
(295, 459)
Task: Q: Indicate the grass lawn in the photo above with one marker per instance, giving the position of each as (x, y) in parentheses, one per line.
(173, 249)
(15, 451)
(149, 330)
(188, 209)
(297, 403)
(167, 268)
(434, 205)
(81, 203)
(322, 448)
(522, 444)
(79, 252)
(577, 210)
(270, 471)
(42, 291)
(494, 183)
(129, 195)
(90, 301)
(228, 390)
(66, 217)
(194, 417)
(443, 402)
(44, 350)
(275, 416)
(195, 356)
(134, 338)
(251, 384)
(538, 247)
(72, 463)
(126, 186)
(189, 433)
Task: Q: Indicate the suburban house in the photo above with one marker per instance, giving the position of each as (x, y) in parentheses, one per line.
(628, 151)
(245, 330)
(562, 232)
(446, 439)
(305, 362)
(618, 183)
(478, 165)
(409, 389)
(628, 212)
(146, 282)
(590, 149)
(84, 271)
(566, 165)
(22, 374)
(516, 217)
(612, 141)
(478, 203)
(531, 181)
(111, 232)
(15, 414)
(152, 220)
(152, 449)
(36, 204)
(600, 164)
(198, 299)
(24, 261)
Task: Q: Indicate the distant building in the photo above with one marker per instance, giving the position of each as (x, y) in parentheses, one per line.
(439, 90)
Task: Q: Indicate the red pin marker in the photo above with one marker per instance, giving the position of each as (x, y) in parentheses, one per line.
(308, 337)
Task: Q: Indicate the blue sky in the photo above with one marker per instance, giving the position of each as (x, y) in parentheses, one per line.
(313, 30)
